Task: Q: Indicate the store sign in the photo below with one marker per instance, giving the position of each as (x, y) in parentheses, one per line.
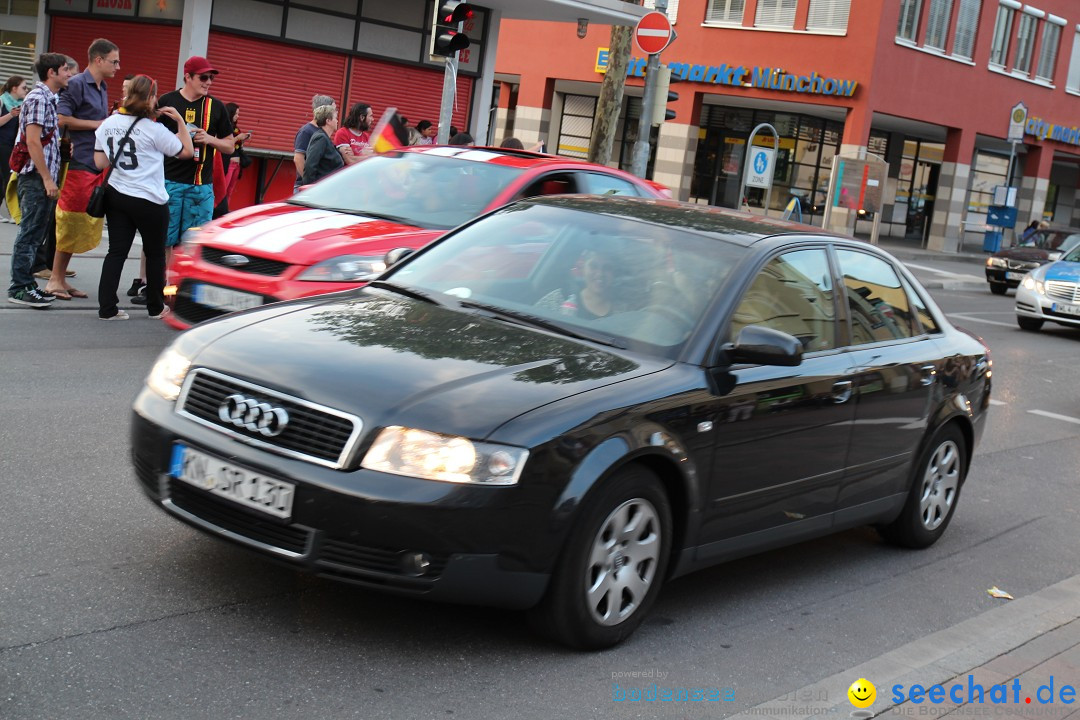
(114, 7)
(760, 77)
(759, 171)
(1043, 130)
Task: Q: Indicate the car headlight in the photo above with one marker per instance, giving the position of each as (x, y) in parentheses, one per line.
(995, 262)
(447, 458)
(168, 374)
(1031, 283)
(344, 268)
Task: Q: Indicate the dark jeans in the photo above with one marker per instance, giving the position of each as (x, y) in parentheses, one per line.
(35, 207)
(47, 250)
(126, 214)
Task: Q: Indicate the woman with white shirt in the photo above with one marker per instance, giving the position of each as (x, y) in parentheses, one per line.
(135, 197)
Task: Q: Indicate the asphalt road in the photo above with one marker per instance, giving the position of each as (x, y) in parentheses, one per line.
(109, 608)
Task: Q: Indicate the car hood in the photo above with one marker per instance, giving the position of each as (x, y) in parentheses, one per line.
(397, 361)
(304, 236)
(1028, 254)
(1063, 272)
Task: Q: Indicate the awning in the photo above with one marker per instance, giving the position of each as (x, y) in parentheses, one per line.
(604, 12)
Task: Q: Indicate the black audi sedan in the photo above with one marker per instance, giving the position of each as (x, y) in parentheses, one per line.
(563, 404)
(1006, 268)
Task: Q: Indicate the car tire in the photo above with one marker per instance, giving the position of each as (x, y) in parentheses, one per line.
(935, 490)
(1026, 323)
(623, 532)
(999, 288)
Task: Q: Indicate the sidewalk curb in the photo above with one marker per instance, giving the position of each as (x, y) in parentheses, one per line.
(1041, 626)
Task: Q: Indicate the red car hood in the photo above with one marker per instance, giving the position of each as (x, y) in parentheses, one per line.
(304, 236)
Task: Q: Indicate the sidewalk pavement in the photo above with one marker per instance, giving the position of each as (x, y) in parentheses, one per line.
(1030, 646)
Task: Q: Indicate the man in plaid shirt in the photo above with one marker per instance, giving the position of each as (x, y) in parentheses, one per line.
(39, 129)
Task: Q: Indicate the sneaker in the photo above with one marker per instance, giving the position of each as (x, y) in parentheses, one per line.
(164, 311)
(140, 299)
(31, 297)
(137, 286)
(120, 315)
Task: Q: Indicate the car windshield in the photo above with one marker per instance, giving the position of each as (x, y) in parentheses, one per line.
(422, 189)
(1073, 255)
(627, 282)
(1047, 240)
(1069, 243)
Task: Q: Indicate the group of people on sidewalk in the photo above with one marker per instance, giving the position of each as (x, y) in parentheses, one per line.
(155, 155)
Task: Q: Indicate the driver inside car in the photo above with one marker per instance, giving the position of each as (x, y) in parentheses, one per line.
(596, 298)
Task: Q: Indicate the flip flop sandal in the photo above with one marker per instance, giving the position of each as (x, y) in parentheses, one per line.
(60, 294)
(76, 293)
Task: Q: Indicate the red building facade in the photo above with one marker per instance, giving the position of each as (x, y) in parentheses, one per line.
(928, 85)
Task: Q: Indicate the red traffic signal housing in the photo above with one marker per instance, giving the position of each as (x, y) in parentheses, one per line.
(446, 36)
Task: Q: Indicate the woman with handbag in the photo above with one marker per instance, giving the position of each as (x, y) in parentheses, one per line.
(134, 191)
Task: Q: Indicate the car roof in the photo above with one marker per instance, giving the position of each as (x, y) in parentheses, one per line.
(731, 225)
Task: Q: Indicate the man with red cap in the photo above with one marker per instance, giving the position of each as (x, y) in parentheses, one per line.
(190, 183)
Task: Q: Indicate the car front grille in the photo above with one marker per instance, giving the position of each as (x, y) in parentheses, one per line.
(1024, 265)
(342, 555)
(313, 432)
(1066, 291)
(292, 538)
(255, 265)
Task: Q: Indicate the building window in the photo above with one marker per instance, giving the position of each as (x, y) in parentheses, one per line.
(725, 11)
(908, 26)
(577, 125)
(1025, 43)
(776, 13)
(1048, 48)
(937, 25)
(967, 22)
(672, 9)
(1073, 82)
(999, 50)
(828, 15)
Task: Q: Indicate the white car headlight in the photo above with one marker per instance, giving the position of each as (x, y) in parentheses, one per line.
(447, 458)
(344, 268)
(168, 374)
(1030, 283)
(996, 262)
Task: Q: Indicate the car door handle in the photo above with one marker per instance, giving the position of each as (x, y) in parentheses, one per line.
(841, 391)
(928, 374)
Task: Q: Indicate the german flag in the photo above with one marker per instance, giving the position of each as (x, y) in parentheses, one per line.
(389, 133)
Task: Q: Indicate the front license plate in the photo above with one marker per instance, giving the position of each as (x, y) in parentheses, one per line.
(1014, 275)
(1066, 309)
(243, 486)
(224, 298)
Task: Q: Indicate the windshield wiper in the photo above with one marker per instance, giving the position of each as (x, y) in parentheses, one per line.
(539, 322)
(402, 290)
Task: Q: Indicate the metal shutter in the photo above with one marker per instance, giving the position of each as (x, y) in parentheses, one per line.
(828, 15)
(16, 61)
(416, 92)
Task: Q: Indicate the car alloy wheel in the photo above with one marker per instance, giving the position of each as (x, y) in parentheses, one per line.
(939, 485)
(612, 564)
(622, 567)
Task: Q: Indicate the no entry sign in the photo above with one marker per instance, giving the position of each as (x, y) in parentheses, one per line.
(653, 33)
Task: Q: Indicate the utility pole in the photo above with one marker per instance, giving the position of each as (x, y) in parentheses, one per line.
(611, 95)
(640, 164)
(446, 109)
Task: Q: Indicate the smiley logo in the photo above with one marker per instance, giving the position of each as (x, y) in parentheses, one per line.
(862, 693)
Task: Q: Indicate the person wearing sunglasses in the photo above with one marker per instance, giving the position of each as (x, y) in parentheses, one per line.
(190, 182)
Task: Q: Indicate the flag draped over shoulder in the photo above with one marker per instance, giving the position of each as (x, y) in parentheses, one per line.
(389, 133)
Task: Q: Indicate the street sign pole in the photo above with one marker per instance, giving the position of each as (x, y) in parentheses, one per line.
(640, 163)
(446, 108)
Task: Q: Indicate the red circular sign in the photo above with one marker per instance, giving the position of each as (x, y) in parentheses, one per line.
(653, 33)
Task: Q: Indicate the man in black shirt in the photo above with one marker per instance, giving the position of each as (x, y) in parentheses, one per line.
(190, 183)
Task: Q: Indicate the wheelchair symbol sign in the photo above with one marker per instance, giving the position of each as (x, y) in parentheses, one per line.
(760, 172)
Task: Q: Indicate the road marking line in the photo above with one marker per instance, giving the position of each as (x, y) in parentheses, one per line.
(945, 272)
(1055, 416)
(997, 402)
(969, 318)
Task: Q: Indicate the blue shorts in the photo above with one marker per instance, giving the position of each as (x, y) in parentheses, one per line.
(189, 206)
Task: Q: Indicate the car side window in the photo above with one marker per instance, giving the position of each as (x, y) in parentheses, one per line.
(926, 319)
(877, 302)
(792, 293)
(599, 184)
(551, 184)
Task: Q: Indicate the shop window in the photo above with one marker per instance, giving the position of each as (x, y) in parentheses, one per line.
(937, 25)
(24, 7)
(1073, 81)
(999, 50)
(828, 15)
(967, 22)
(725, 11)
(1048, 48)
(908, 27)
(1025, 42)
(776, 13)
(576, 127)
(672, 8)
(879, 144)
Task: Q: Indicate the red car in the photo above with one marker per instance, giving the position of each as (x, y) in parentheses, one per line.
(335, 234)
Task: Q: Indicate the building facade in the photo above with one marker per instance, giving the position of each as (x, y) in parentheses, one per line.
(927, 85)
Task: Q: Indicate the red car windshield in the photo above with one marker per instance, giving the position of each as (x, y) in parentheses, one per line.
(420, 189)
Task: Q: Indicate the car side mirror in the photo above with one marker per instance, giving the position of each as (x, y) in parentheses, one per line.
(759, 345)
(396, 255)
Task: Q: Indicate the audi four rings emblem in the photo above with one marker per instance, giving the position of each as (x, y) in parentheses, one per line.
(253, 415)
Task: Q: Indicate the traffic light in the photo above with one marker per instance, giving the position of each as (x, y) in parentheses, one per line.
(663, 96)
(446, 36)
